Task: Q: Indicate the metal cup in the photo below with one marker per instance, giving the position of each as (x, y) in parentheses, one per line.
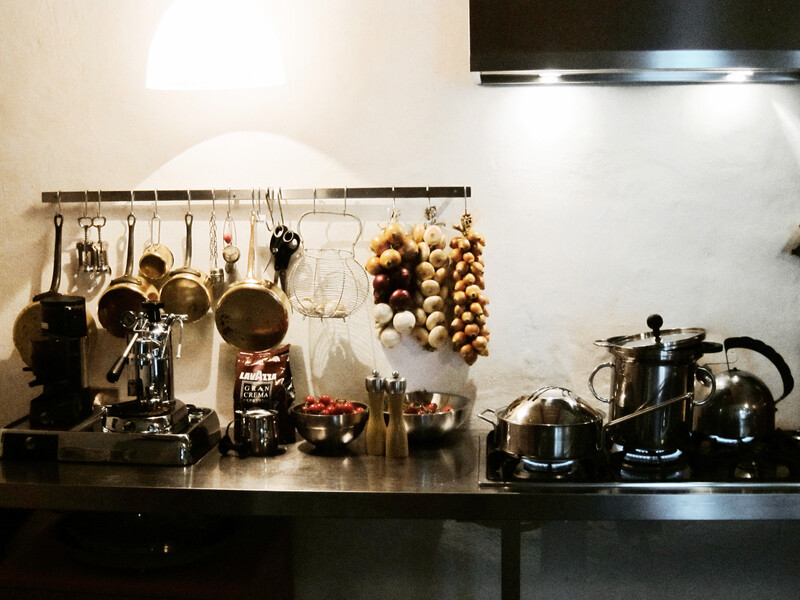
(260, 431)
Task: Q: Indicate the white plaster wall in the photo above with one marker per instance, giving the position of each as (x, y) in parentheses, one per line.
(600, 205)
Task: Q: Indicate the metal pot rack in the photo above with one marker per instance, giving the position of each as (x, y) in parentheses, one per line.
(242, 195)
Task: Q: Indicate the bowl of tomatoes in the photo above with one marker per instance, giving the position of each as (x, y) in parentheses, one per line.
(329, 423)
(431, 416)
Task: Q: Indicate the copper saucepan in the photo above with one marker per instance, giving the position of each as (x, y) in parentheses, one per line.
(253, 314)
(187, 291)
(28, 324)
(125, 293)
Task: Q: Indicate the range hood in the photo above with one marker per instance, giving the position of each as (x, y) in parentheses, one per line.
(634, 41)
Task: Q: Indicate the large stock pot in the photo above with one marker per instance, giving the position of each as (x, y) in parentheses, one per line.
(652, 385)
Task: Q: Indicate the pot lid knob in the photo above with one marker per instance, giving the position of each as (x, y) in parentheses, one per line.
(395, 385)
(655, 322)
(374, 382)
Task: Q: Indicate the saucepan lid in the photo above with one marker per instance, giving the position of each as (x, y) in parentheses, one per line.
(551, 406)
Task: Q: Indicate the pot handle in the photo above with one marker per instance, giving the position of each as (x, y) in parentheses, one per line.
(591, 380)
(708, 376)
(643, 410)
(776, 359)
(489, 421)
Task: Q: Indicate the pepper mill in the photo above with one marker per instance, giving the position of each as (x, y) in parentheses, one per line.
(376, 426)
(396, 434)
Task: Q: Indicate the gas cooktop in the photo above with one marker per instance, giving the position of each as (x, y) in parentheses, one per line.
(705, 464)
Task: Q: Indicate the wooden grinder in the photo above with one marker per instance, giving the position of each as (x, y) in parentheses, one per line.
(376, 426)
(396, 434)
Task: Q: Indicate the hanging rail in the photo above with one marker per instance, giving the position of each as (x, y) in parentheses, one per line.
(241, 195)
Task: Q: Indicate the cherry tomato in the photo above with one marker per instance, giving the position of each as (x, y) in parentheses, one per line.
(315, 408)
(431, 407)
(358, 409)
(310, 399)
(347, 408)
(325, 398)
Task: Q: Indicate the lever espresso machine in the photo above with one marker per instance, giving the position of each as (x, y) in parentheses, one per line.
(154, 408)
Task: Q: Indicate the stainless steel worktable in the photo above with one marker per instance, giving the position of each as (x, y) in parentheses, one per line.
(435, 483)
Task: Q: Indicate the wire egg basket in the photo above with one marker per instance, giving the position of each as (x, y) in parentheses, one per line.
(327, 282)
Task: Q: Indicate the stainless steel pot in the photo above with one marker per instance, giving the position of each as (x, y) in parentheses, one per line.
(551, 424)
(742, 405)
(652, 386)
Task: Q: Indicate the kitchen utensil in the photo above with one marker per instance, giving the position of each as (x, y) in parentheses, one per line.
(156, 260)
(649, 369)
(230, 252)
(84, 250)
(434, 426)
(125, 293)
(260, 431)
(396, 434)
(100, 247)
(376, 426)
(283, 244)
(187, 291)
(215, 273)
(327, 282)
(252, 314)
(742, 405)
(551, 424)
(330, 432)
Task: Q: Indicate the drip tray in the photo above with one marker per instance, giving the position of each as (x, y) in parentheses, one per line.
(87, 442)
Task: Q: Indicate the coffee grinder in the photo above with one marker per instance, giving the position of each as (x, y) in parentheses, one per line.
(59, 364)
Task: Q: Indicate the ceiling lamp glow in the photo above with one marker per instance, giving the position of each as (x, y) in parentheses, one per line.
(214, 45)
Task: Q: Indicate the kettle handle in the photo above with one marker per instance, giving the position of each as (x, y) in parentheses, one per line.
(776, 359)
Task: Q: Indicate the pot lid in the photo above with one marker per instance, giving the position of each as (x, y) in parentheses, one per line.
(657, 338)
(551, 406)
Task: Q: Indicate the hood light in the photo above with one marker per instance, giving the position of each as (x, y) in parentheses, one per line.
(739, 76)
(550, 77)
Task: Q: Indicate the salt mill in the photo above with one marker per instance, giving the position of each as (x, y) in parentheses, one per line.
(376, 426)
(396, 434)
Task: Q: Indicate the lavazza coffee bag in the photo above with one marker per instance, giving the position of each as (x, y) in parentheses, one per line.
(264, 380)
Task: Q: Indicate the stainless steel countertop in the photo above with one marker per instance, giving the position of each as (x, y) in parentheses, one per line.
(437, 483)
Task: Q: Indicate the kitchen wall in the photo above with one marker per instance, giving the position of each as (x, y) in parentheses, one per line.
(600, 205)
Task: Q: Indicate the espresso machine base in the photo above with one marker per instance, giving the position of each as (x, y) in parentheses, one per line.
(89, 442)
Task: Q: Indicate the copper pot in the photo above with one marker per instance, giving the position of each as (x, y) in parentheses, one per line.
(125, 293)
(28, 324)
(187, 291)
(252, 314)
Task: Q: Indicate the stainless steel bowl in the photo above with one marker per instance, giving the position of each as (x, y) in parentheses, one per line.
(424, 428)
(330, 432)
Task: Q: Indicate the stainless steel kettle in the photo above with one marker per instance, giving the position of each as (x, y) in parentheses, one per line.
(742, 405)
